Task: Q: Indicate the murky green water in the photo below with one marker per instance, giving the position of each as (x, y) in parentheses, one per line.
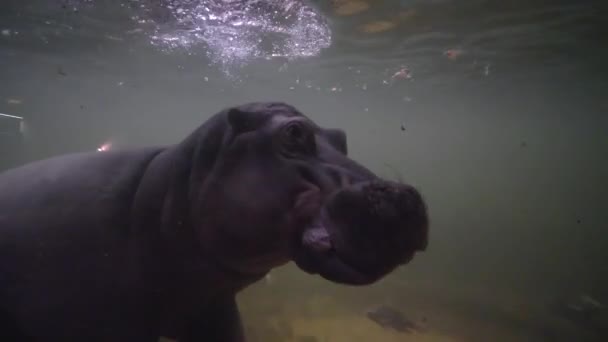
(500, 120)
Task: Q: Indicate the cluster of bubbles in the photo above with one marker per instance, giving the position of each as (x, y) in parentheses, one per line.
(235, 32)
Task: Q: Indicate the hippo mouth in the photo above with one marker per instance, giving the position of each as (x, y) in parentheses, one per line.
(363, 232)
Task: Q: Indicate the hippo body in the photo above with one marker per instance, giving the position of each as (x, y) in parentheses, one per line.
(136, 244)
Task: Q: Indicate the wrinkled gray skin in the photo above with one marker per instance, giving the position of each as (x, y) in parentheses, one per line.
(136, 244)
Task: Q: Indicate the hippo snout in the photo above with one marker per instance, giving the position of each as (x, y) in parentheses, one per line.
(364, 231)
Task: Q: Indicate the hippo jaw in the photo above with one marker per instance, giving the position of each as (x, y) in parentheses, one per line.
(363, 232)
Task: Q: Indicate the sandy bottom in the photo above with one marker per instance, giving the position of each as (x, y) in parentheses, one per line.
(295, 308)
(298, 308)
(355, 329)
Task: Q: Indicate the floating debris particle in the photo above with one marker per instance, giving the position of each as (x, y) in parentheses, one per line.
(335, 88)
(407, 14)
(486, 70)
(378, 26)
(134, 31)
(206, 79)
(403, 73)
(61, 72)
(6, 32)
(269, 279)
(407, 99)
(403, 126)
(366, 109)
(523, 144)
(578, 221)
(114, 38)
(120, 84)
(583, 310)
(292, 88)
(591, 302)
(453, 54)
(105, 147)
(349, 7)
(82, 107)
(14, 101)
(364, 86)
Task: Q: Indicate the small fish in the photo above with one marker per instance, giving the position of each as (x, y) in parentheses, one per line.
(388, 317)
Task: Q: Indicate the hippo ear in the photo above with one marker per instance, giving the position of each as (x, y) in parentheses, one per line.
(243, 121)
(337, 138)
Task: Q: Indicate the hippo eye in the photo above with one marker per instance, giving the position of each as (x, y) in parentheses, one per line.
(299, 138)
(293, 131)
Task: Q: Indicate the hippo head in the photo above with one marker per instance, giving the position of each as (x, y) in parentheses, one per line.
(280, 188)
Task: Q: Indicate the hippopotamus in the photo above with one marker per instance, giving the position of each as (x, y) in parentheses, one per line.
(137, 244)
